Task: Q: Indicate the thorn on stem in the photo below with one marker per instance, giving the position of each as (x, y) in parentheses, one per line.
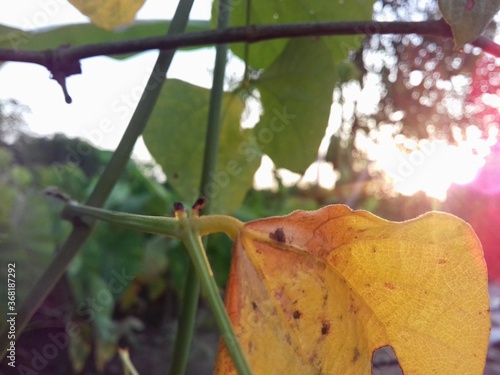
(62, 69)
(62, 83)
(178, 208)
(54, 192)
(199, 204)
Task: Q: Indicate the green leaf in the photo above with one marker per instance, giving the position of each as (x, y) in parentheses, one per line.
(262, 54)
(296, 94)
(109, 14)
(175, 136)
(80, 34)
(468, 18)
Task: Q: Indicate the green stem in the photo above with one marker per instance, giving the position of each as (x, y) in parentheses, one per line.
(192, 241)
(166, 226)
(215, 107)
(218, 223)
(81, 232)
(246, 54)
(186, 325)
(192, 288)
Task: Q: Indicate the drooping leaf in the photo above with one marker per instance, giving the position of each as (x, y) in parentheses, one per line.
(468, 18)
(109, 14)
(80, 34)
(296, 94)
(175, 136)
(319, 292)
(261, 55)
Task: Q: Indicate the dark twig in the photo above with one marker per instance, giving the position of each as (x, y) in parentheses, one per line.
(249, 34)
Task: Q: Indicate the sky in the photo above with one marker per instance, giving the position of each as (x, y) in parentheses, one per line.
(106, 93)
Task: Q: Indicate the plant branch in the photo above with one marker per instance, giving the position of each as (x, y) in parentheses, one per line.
(161, 225)
(488, 46)
(249, 34)
(192, 241)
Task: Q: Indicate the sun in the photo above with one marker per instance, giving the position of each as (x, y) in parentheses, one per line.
(431, 166)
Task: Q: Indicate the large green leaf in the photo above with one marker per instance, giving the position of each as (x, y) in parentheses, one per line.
(468, 18)
(175, 136)
(263, 54)
(80, 34)
(296, 94)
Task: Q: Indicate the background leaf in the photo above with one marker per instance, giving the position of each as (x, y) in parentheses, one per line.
(175, 137)
(468, 18)
(296, 94)
(80, 34)
(262, 54)
(109, 14)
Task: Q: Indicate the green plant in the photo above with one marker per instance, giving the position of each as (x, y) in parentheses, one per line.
(295, 86)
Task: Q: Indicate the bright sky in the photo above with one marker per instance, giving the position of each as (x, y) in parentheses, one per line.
(105, 95)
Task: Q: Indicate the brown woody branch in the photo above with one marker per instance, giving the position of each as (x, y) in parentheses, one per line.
(249, 34)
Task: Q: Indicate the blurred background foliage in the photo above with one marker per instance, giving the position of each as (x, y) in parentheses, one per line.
(124, 288)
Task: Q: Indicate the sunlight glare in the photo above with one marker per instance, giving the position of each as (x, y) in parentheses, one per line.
(429, 166)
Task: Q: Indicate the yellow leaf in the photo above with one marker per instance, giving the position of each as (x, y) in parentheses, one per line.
(318, 292)
(109, 14)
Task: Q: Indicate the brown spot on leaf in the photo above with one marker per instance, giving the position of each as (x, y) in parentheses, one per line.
(325, 328)
(389, 285)
(469, 5)
(355, 355)
(175, 176)
(278, 235)
(297, 314)
(442, 261)
(254, 305)
(313, 357)
(353, 309)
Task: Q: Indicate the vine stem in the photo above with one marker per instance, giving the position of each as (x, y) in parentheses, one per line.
(192, 240)
(161, 225)
(192, 287)
(246, 54)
